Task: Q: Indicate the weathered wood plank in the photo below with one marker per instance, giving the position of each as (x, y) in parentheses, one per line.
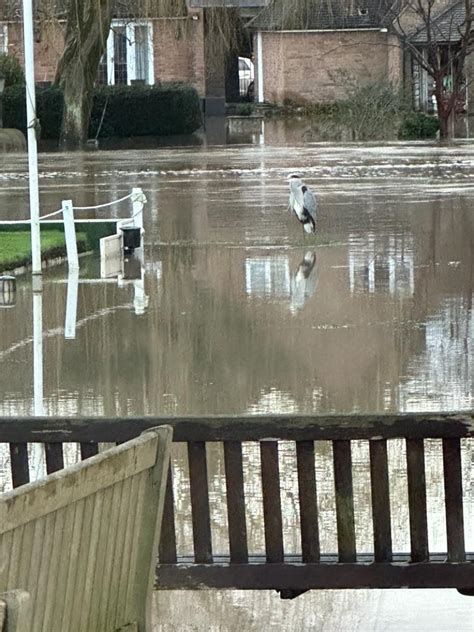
(106, 580)
(200, 502)
(44, 550)
(234, 480)
(380, 500)
(55, 562)
(308, 501)
(62, 586)
(19, 464)
(60, 595)
(54, 457)
(316, 576)
(90, 554)
(130, 535)
(453, 500)
(417, 499)
(52, 493)
(118, 554)
(128, 599)
(167, 550)
(344, 501)
(272, 517)
(241, 428)
(17, 611)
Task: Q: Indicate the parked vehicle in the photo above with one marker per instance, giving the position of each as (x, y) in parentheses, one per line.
(246, 75)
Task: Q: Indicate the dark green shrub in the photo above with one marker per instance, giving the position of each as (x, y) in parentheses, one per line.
(129, 110)
(145, 110)
(417, 125)
(12, 70)
(49, 106)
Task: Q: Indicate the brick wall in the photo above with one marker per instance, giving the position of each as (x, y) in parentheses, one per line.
(47, 51)
(311, 66)
(178, 50)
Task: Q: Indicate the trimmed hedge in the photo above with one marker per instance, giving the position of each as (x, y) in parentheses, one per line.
(129, 110)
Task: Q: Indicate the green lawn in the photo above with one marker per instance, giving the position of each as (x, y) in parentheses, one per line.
(15, 246)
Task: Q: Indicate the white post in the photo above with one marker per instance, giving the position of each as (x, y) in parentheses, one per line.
(71, 304)
(138, 201)
(260, 95)
(31, 124)
(70, 235)
(37, 456)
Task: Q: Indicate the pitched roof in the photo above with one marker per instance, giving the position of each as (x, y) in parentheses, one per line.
(444, 27)
(330, 14)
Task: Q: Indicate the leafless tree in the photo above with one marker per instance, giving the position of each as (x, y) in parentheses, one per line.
(439, 35)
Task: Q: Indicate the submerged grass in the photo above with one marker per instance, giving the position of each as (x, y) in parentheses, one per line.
(15, 247)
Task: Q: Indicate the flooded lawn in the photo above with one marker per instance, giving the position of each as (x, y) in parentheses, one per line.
(244, 315)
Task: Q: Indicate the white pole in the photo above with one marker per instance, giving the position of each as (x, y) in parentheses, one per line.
(260, 95)
(37, 455)
(31, 123)
(71, 304)
(70, 235)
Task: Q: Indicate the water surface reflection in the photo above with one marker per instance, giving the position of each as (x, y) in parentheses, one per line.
(243, 316)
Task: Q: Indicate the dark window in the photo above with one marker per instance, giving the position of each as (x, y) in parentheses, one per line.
(120, 55)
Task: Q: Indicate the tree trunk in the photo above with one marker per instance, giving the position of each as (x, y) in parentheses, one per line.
(88, 25)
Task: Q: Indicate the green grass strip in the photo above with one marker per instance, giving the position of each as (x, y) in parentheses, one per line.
(15, 247)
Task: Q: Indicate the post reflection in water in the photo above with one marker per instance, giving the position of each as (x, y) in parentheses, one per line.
(230, 313)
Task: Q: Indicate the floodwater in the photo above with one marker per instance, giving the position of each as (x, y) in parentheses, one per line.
(233, 310)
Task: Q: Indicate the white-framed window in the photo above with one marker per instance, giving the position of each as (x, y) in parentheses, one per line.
(129, 54)
(3, 38)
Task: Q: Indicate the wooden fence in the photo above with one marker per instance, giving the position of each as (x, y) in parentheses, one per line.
(292, 573)
(82, 542)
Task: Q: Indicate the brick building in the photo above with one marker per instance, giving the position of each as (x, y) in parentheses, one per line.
(312, 59)
(316, 56)
(149, 50)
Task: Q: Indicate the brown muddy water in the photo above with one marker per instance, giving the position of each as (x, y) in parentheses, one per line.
(243, 315)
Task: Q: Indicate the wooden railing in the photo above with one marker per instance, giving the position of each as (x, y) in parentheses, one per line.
(311, 567)
(82, 542)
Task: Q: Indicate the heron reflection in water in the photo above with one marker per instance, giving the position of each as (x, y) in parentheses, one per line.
(304, 282)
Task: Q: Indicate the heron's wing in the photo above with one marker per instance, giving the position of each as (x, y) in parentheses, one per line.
(309, 201)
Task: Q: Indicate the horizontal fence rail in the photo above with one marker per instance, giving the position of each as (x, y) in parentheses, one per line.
(283, 449)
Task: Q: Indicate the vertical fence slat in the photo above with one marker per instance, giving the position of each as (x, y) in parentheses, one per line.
(167, 552)
(417, 500)
(344, 500)
(308, 501)
(380, 500)
(271, 501)
(234, 480)
(453, 500)
(88, 450)
(19, 464)
(54, 457)
(200, 502)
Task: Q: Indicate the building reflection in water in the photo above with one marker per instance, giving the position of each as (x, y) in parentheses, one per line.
(442, 375)
(268, 277)
(381, 263)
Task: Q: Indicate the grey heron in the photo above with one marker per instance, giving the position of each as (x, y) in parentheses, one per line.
(302, 202)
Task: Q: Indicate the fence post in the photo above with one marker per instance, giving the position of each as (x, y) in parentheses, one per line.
(138, 201)
(70, 234)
